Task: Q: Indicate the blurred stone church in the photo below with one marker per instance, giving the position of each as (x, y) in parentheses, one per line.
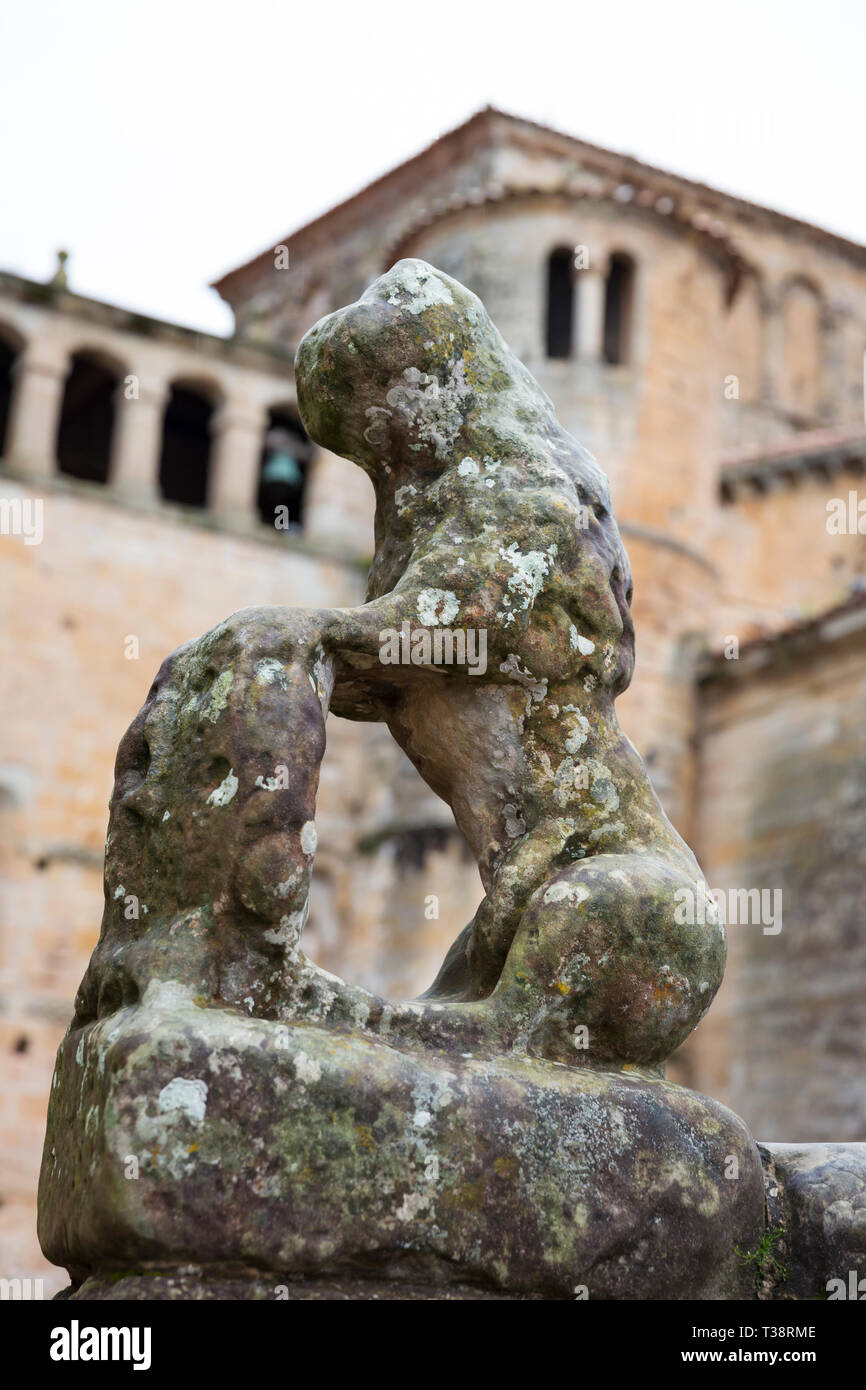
(708, 351)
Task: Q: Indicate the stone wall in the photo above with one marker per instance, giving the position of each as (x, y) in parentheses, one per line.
(782, 771)
(776, 556)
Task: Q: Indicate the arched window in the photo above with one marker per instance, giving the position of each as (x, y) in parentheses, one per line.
(87, 418)
(186, 445)
(801, 367)
(746, 333)
(560, 302)
(10, 346)
(283, 471)
(618, 303)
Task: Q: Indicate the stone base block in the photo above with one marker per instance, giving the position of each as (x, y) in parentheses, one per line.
(816, 1235)
(196, 1137)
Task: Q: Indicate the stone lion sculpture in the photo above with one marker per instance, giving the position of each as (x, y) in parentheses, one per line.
(491, 518)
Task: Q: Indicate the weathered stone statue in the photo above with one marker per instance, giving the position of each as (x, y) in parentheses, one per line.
(226, 1117)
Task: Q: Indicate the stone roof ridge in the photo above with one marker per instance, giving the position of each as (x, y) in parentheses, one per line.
(495, 125)
(824, 452)
(583, 185)
(837, 620)
(805, 442)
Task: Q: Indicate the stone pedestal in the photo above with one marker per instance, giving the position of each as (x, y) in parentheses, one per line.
(260, 1153)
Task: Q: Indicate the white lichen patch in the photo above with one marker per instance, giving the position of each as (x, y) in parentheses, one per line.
(430, 409)
(612, 835)
(270, 784)
(576, 893)
(536, 690)
(579, 729)
(437, 607)
(528, 578)
(601, 787)
(269, 670)
(184, 1096)
(360, 1013)
(376, 433)
(569, 777)
(578, 643)
(416, 289)
(403, 496)
(166, 996)
(222, 795)
(219, 695)
(307, 1069)
(289, 931)
(412, 1204)
(468, 468)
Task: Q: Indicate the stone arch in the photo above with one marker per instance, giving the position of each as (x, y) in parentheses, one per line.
(283, 468)
(187, 445)
(560, 303)
(12, 344)
(86, 427)
(800, 370)
(619, 300)
(747, 340)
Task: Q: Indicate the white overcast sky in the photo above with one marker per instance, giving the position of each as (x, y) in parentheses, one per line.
(164, 142)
